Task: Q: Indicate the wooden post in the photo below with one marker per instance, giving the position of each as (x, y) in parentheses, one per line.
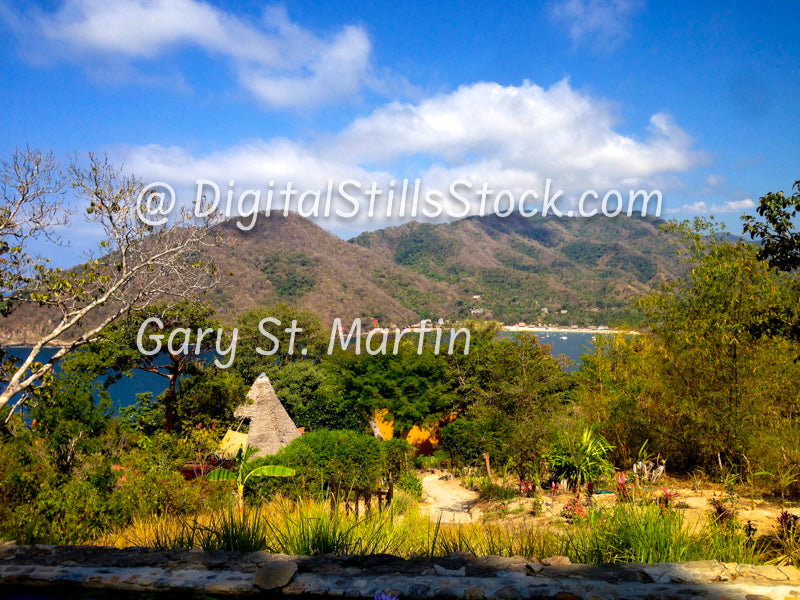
(488, 466)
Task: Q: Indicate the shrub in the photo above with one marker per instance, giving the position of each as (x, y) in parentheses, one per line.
(332, 460)
(399, 455)
(464, 440)
(409, 482)
(155, 492)
(493, 491)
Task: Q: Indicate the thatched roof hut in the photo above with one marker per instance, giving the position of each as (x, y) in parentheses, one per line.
(271, 427)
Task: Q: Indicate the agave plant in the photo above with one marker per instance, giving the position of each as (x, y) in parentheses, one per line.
(581, 459)
(240, 474)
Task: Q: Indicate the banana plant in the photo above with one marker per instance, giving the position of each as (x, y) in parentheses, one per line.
(240, 474)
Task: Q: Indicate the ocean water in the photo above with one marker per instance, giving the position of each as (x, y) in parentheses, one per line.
(123, 392)
(572, 347)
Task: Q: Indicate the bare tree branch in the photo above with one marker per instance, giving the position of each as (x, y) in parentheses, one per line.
(141, 263)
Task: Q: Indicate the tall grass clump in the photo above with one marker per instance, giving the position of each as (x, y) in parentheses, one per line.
(168, 533)
(231, 530)
(312, 529)
(630, 533)
(496, 540)
(223, 530)
(650, 533)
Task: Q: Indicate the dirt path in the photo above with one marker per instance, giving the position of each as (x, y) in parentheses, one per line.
(448, 498)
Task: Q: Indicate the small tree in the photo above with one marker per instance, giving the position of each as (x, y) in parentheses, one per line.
(240, 474)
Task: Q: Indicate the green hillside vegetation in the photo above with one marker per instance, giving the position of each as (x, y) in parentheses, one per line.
(589, 267)
(518, 266)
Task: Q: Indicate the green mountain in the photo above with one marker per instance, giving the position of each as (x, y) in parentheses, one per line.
(520, 266)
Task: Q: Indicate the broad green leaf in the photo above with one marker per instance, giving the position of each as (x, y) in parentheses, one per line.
(272, 471)
(221, 475)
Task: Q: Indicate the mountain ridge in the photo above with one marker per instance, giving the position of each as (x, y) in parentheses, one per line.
(509, 268)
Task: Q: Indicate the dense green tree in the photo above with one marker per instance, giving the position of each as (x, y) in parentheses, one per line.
(512, 397)
(117, 350)
(777, 234)
(209, 396)
(704, 384)
(250, 363)
(413, 387)
(779, 237)
(304, 389)
(617, 389)
(70, 412)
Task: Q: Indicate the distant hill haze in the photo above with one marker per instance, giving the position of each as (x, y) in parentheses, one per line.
(510, 268)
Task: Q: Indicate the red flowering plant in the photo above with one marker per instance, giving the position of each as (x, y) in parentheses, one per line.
(573, 509)
(665, 500)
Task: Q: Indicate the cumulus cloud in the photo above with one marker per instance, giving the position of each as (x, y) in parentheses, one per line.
(279, 62)
(512, 137)
(603, 23)
(525, 127)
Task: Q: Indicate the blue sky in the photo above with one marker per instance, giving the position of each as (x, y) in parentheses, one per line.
(699, 100)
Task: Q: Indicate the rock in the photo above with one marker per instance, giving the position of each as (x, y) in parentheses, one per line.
(501, 563)
(295, 588)
(442, 572)
(770, 572)
(474, 592)
(7, 549)
(508, 592)
(701, 571)
(417, 590)
(275, 574)
(378, 560)
(556, 561)
(445, 593)
(566, 596)
(793, 573)
(534, 566)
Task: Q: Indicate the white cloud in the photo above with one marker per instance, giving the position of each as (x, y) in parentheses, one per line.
(335, 74)
(555, 132)
(604, 23)
(512, 137)
(279, 62)
(702, 208)
(715, 181)
(734, 206)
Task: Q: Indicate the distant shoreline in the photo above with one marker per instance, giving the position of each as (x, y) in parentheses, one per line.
(543, 329)
(528, 329)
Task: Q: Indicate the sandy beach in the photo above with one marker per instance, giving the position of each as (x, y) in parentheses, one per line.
(544, 329)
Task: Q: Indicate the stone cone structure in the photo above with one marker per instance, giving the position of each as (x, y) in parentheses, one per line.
(271, 427)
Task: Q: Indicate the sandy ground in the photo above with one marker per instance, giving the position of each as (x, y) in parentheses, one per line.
(444, 495)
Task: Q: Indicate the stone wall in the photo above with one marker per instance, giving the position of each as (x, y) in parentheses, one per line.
(455, 576)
